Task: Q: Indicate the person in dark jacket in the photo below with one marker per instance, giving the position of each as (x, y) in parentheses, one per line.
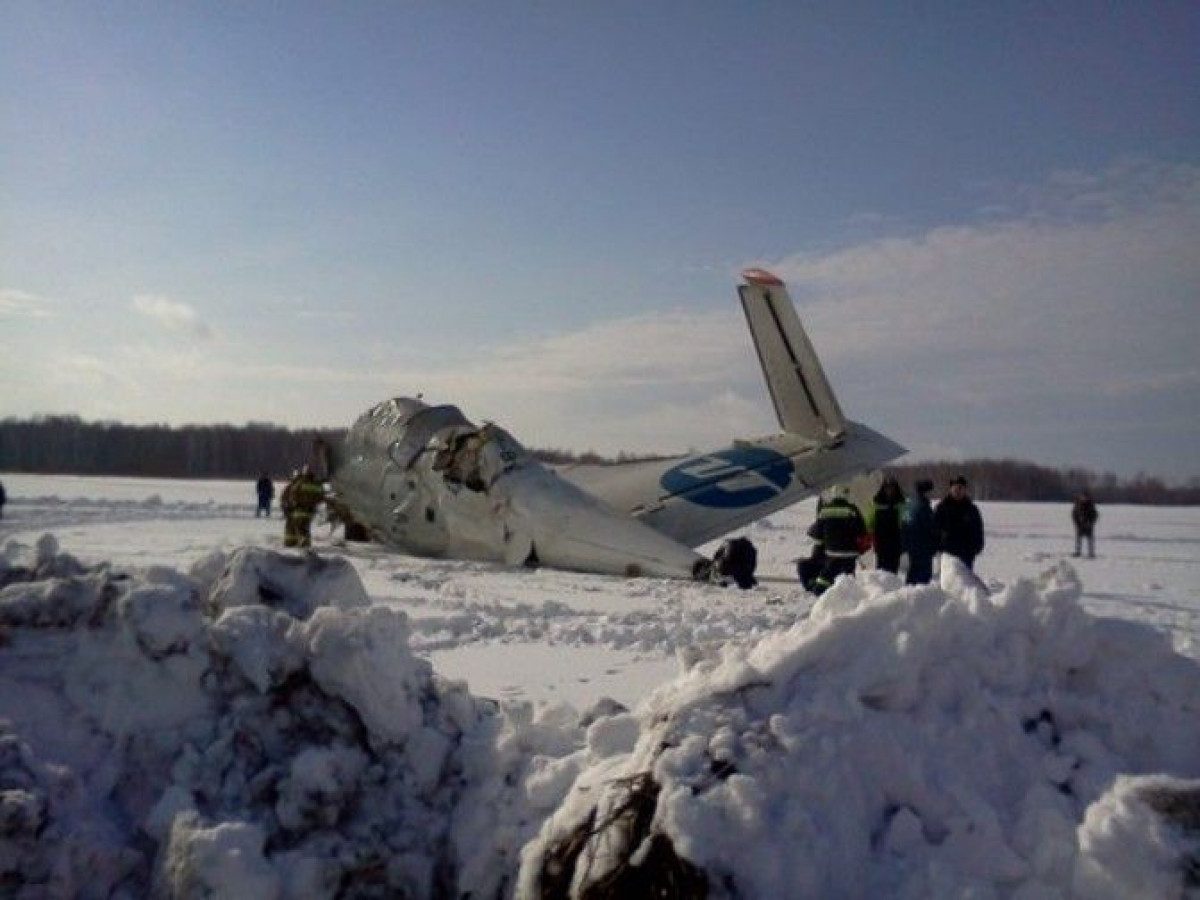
(265, 489)
(920, 535)
(3, 499)
(736, 559)
(842, 535)
(808, 568)
(959, 524)
(885, 522)
(1084, 515)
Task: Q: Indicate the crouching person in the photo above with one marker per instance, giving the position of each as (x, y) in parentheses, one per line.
(810, 567)
(842, 535)
(736, 559)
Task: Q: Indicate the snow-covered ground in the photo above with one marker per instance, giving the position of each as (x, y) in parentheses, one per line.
(203, 717)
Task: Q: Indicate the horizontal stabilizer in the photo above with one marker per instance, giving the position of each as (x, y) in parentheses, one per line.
(804, 401)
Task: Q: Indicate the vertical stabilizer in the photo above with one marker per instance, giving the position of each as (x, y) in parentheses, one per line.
(804, 401)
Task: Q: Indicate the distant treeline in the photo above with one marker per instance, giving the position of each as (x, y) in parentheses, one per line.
(69, 445)
(1010, 479)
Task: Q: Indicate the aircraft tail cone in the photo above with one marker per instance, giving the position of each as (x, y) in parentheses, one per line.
(569, 529)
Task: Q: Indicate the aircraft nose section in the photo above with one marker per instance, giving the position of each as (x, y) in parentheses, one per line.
(568, 528)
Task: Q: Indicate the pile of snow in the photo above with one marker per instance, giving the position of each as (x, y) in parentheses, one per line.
(903, 742)
(256, 727)
(252, 729)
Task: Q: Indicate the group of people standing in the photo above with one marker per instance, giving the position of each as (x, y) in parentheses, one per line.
(894, 525)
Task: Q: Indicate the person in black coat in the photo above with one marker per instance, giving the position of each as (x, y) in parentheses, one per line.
(920, 534)
(3, 499)
(959, 524)
(885, 523)
(1084, 515)
(265, 489)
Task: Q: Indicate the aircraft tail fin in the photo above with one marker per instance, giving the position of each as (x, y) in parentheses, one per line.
(804, 401)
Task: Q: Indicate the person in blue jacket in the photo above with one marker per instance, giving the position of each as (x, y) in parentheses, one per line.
(265, 489)
(920, 536)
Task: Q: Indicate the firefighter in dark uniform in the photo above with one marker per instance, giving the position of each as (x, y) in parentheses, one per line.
(842, 534)
(300, 500)
(885, 523)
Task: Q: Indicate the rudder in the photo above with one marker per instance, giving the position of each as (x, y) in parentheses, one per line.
(804, 401)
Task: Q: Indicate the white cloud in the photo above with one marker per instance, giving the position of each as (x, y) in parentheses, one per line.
(654, 382)
(22, 304)
(1158, 381)
(1097, 284)
(672, 348)
(173, 315)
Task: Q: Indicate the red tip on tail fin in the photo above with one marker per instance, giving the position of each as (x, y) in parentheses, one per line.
(762, 277)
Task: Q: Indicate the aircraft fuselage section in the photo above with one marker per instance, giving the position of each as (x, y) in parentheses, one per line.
(426, 480)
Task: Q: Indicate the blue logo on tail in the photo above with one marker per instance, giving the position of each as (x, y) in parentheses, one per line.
(733, 478)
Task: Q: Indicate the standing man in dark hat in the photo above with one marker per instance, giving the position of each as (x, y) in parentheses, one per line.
(959, 524)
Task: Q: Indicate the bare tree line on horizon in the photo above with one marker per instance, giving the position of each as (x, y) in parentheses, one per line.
(66, 444)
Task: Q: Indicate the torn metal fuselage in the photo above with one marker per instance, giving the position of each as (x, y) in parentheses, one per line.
(425, 480)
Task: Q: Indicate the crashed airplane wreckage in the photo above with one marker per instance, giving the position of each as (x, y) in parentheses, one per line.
(425, 480)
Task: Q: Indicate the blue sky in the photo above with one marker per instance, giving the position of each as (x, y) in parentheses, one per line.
(989, 215)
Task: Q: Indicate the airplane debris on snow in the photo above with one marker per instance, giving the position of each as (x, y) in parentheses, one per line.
(425, 480)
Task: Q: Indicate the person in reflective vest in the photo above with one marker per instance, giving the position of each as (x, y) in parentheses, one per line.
(842, 534)
(300, 500)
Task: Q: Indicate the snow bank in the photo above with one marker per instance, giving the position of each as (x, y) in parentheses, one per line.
(902, 742)
(251, 729)
(255, 727)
